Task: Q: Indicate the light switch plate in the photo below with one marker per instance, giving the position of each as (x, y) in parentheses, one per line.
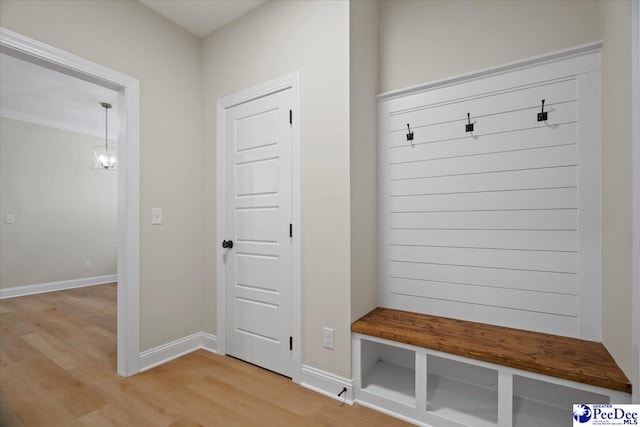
(10, 218)
(156, 216)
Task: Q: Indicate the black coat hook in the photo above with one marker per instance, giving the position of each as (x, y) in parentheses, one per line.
(409, 134)
(468, 127)
(542, 116)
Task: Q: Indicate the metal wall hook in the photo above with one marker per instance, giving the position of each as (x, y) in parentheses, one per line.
(542, 116)
(409, 134)
(469, 126)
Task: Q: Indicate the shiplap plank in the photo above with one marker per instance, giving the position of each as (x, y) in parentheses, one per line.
(558, 262)
(545, 240)
(510, 180)
(565, 219)
(517, 199)
(540, 302)
(485, 126)
(513, 318)
(539, 281)
(547, 157)
(529, 138)
(507, 100)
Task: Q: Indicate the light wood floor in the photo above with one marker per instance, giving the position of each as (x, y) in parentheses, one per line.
(58, 368)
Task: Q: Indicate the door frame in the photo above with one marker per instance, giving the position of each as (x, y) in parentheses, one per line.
(290, 81)
(128, 88)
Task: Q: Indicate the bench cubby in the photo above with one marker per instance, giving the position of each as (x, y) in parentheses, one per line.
(389, 372)
(461, 391)
(426, 386)
(545, 404)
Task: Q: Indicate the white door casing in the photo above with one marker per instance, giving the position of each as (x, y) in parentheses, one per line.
(258, 209)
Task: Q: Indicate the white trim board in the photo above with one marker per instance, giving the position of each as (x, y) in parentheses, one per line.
(327, 384)
(172, 350)
(40, 288)
(294, 82)
(17, 45)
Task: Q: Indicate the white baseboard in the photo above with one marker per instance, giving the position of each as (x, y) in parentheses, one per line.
(326, 383)
(209, 342)
(312, 378)
(20, 291)
(172, 350)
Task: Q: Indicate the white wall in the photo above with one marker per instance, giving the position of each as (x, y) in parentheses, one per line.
(65, 213)
(128, 37)
(363, 80)
(615, 27)
(275, 39)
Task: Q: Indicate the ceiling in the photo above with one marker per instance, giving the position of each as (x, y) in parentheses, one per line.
(37, 94)
(202, 16)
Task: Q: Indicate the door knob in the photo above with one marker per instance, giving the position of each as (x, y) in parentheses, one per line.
(227, 244)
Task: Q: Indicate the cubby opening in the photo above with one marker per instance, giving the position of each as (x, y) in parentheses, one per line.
(544, 404)
(462, 392)
(389, 372)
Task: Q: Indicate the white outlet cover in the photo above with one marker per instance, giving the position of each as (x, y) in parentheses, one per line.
(10, 218)
(327, 338)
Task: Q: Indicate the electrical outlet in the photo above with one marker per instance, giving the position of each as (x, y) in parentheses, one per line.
(10, 218)
(327, 338)
(87, 265)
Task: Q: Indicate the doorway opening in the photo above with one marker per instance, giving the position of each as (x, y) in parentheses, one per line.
(128, 241)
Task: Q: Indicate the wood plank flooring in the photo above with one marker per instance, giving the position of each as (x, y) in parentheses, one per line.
(58, 368)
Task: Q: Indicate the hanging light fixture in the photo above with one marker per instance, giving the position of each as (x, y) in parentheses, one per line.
(105, 158)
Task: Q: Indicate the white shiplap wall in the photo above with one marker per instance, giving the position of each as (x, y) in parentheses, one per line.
(500, 225)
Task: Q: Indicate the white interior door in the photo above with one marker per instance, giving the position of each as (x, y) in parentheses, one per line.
(258, 267)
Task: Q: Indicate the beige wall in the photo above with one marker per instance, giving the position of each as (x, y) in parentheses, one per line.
(275, 39)
(65, 213)
(615, 27)
(363, 80)
(128, 37)
(425, 40)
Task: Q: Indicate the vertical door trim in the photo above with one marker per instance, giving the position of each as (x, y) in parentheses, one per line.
(291, 81)
(128, 178)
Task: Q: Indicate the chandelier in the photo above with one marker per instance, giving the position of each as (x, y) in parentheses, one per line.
(105, 158)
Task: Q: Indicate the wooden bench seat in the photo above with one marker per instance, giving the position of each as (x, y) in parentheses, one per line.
(573, 359)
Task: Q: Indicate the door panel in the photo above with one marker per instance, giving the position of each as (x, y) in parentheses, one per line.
(258, 270)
